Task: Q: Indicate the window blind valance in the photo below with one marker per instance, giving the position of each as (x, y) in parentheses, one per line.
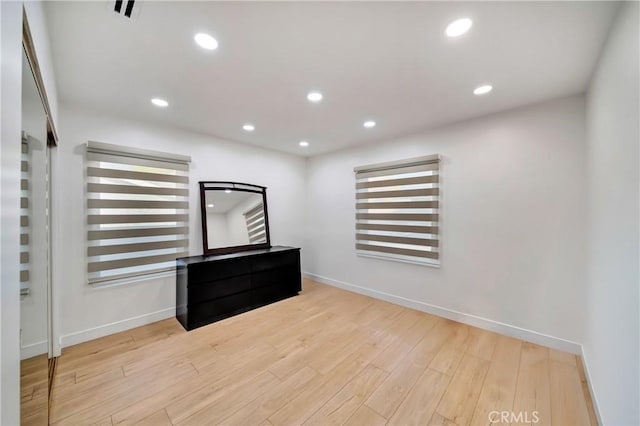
(398, 210)
(137, 211)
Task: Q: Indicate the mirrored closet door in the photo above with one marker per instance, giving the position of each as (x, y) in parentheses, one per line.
(35, 282)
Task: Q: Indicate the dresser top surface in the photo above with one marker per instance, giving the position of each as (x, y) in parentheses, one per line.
(214, 257)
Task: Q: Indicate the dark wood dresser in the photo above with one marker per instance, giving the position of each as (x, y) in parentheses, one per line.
(210, 288)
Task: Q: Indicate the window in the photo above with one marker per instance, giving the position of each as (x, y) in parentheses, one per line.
(397, 210)
(137, 211)
(255, 224)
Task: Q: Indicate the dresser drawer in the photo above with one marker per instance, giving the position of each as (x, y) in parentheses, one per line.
(265, 295)
(213, 310)
(211, 271)
(277, 260)
(283, 277)
(200, 292)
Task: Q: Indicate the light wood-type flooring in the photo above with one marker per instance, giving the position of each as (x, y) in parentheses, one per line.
(34, 390)
(327, 356)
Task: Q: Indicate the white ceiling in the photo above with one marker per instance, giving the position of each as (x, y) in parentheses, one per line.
(387, 61)
(223, 202)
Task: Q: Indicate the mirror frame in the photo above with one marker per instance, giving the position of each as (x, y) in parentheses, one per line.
(236, 186)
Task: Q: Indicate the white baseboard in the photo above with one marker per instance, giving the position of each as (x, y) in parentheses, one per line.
(587, 374)
(115, 327)
(473, 320)
(33, 349)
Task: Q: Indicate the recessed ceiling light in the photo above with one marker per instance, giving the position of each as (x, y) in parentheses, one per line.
(206, 41)
(481, 90)
(459, 27)
(314, 96)
(210, 205)
(303, 144)
(249, 127)
(369, 124)
(228, 191)
(159, 102)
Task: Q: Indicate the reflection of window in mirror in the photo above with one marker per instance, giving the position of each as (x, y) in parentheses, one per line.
(254, 218)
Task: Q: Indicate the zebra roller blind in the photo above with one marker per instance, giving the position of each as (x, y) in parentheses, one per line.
(137, 211)
(25, 214)
(397, 210)
(255, 224)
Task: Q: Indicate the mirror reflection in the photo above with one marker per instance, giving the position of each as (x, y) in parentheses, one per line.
(234, 218)
(34, 255)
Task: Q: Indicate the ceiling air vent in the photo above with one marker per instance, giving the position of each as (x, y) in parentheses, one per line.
(126, 8)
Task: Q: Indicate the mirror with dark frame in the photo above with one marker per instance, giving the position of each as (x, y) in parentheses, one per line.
(234, 217)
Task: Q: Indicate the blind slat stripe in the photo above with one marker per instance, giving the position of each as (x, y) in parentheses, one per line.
(24, 203)
(398, 182)
(24, 221)
(256, 229)
(398, 228)
(398, 216)
(397, 171)
(126, 248)
(24, 184)
(134, 261)
(133, 189)
(24, 166)
(398, 240)
(398, 205)
(255, 234)
(138, 232)
(255, 223)
(24, 239)
(255, 210)
(126, 174)
(94, 203)
(24, 257)
(135, 218)
(97, 280)
(24, 276)
(395, 250)
(401, 193)
(117, 159)
(254, 215)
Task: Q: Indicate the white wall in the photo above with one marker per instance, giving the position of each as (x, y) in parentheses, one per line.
(513, 221)
(217, 230)
(10, 106)
(611, 341)
(87, 310)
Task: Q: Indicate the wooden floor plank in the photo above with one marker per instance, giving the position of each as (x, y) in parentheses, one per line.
(365, 416)
(420, 404)
(568, 405)
(347, 401)
(499, 385)
(532, 400)
(261, 408)
(459, 400)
